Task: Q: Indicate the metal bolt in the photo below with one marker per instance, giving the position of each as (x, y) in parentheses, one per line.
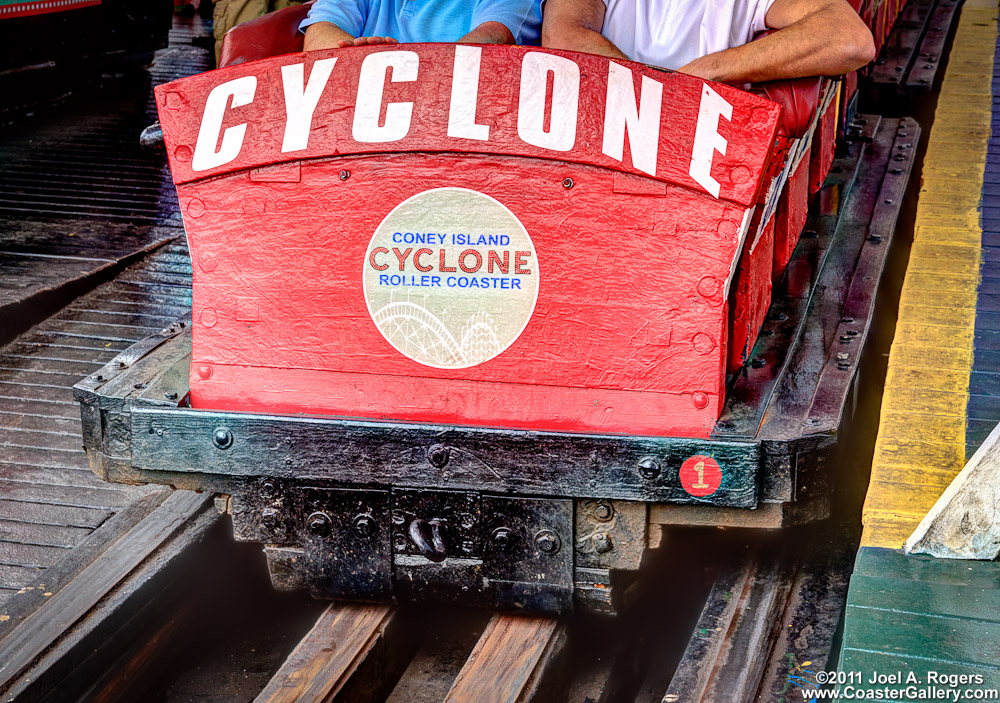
(847, 320)
(364, 526)
(345, 174)
(268, 518)
(502, 539)
(757, 363)
(170, 395)
(895, 171)
(319, 524)
(438, 455)
(852, 333)
(875, 239)
(547, 542)
(139, 386)
(398, 518)
(567, 183)
(399, 542)
(121, 364)
(268, 489)
(843, 356)
(649, 468)
(602, 542)
(603, 511)
(843, 365)
(846, 339)
(98, 377)
(222, 438)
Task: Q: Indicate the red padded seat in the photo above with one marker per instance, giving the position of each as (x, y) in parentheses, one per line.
(273, 34)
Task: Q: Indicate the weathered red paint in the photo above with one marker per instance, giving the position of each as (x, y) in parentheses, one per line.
(793, 209)
(749, 133)
(751, 293)
(629, 331)
(824, 147)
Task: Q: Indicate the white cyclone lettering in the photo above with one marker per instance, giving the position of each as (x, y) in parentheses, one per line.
(535, 70)
(707, 139)
(301, 100)
(206, 156)
(371, 85)
(465, 95)
(642, 121)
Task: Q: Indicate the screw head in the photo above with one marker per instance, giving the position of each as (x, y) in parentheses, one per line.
(222, 438)
(843, 356)
(170, 395)
(603, 511)
(345, 174)
(547, 542)
(399, 542)
(364, 526)
(98, 377)
(438, 455)
(649, 468)
(269, 518)
(319, 524)
(602, 542)
(502, 538)
(268, 489)
(567, 183)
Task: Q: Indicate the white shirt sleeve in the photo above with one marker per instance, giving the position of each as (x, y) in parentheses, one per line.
(759, 10)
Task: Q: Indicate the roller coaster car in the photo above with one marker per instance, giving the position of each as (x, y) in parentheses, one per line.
(475, 322)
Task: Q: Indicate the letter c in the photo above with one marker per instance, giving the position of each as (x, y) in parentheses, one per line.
(416, 259)
(371, 86)
(373, 263)
(205, 157)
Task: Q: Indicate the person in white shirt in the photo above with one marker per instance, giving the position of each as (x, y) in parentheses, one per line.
(712, 38)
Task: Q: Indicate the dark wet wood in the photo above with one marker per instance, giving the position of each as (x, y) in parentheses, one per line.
(729, 649)
(510, 661)
(40, 629)
(438, 662)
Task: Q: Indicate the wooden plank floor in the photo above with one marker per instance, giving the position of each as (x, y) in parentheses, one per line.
(918, 614)
(78, 201)
(79, 198)
(50, 502)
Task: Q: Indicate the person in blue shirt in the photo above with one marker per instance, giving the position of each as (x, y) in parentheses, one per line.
(340, 23)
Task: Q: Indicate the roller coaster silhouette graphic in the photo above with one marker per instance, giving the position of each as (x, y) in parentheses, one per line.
(422, 336)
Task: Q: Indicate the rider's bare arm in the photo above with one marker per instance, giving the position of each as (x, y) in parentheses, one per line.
(815, 38)
(576, 25)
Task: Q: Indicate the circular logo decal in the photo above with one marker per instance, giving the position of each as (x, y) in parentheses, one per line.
(701, 475)
(451, 278)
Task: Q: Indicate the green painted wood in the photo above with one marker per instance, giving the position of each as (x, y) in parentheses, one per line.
(893, 564)
(922, 615)
(963, 601)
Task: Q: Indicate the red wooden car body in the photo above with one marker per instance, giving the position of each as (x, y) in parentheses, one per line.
(636, 189)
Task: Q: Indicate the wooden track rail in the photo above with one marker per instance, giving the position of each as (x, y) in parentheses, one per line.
(336, 649)
(353, 653)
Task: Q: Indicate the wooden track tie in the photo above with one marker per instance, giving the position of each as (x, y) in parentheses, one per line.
(509, 661)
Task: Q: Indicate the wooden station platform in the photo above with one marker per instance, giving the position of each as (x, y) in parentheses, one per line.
(80, 204)
(942, 395)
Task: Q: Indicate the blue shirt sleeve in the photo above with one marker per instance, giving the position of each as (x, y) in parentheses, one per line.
(349, 15)
(522, 17)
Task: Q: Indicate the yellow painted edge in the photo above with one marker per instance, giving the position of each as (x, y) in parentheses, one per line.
(921, 439)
